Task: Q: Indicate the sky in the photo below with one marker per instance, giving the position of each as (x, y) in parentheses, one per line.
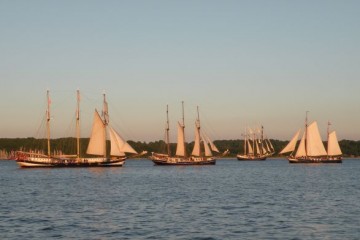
(244, 63)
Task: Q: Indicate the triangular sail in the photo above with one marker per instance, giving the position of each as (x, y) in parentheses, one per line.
(180, 149)
(208, 152)
(212, 145)
(97, 143)
(118, 145)
(333, 145)
(314, 145)
(264, 151)
(250, 149)
(290, 147)
(301, 152)
(267, 147)
(257, 151)
(271, 146)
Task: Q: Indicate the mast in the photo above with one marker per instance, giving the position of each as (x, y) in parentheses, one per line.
(167, 130)
(254, 138)
(306, 126)
(245, 141)
(262, 140)
(48, 122)
(106, 120)
(328, 134)
(183, 126)
(78, 124)
(198, 127)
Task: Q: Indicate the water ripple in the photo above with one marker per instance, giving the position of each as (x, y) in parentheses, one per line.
(232, 200)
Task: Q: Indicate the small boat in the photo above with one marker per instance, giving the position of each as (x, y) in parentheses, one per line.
(97, 145)
(199, 155)
(311, 148)
(256, 148)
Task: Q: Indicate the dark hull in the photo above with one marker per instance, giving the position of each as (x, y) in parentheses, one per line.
(164, 159)
(250, 158)
(184, 163)
(316, 161)
(69, 164)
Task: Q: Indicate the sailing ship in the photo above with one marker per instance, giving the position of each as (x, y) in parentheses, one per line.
(256, 149)
(311, 148)
(97, 145)
(199, 155)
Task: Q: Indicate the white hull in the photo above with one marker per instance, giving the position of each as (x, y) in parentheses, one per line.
(31, 164)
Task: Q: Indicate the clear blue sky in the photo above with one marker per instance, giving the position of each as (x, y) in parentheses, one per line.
(243, 62)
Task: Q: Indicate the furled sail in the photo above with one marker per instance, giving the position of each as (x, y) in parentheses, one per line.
(333, 145)
(196, 149)
(118, 145)
(105, 112)
(97, 143)
(314, 146)
(180, 149)
(301, 152)
(292, 144)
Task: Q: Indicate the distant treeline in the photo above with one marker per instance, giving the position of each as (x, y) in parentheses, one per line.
(68, 145)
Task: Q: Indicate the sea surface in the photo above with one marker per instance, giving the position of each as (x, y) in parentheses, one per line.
(231, 200)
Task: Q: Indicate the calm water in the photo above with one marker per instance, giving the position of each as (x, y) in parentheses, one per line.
(232, 200)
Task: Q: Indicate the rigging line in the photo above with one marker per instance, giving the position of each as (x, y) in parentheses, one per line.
(126, 132)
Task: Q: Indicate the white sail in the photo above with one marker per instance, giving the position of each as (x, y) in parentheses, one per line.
(267, 147)
(301, 152)
(118, 145)
(333, 145)
(208, 152)
(196, 149)
(212, 145)
(264, 151)
(180, 149)
(292, 144)
(97, 143)
(250, 149)
(271, 146)
(257, 149)
(314, 145)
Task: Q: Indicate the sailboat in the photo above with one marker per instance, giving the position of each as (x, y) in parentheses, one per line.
(97, 145)
(199, 155)
(256, 149)
(311, 148)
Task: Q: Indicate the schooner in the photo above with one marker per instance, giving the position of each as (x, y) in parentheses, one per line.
(311, 148)
(256, 148)
(199, 155)
(97, 145)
